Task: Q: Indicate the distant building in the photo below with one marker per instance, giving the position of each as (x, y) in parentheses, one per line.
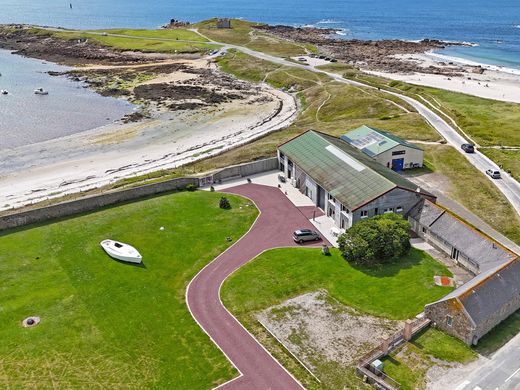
(465, 245)
(386, 148)
(476, 307)
(345, 183)
(223, 23)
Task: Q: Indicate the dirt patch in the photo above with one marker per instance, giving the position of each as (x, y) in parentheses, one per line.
(318, 329)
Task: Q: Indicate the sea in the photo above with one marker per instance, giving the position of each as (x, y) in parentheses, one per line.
(491, 27)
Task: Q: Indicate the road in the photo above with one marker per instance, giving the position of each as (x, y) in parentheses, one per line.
(500, 372)
(507, 185)
(277, 220)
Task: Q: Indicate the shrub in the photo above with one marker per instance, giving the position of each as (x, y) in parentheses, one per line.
(224, 203)
(377, 240)
(394, 83)
(191, 187)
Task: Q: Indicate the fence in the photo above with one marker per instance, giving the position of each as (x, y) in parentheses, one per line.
(95, 202)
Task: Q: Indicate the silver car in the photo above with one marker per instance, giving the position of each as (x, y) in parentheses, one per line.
(302, 235)
(493, 173)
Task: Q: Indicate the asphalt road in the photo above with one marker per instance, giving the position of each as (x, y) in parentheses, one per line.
(507, 185)
(501, 372)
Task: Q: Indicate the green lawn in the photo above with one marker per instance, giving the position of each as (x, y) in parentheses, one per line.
(107, 324)
(409, 364)
(396, 291)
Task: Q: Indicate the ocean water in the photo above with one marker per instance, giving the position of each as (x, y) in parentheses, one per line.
(69, 108)
(493, 25)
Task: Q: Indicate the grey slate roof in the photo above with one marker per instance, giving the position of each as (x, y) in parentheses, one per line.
(474, 245)
(487, 293)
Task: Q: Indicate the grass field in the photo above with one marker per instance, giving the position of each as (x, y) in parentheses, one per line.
(244, 34)
(508, 160)
(396, 291)
(158, 45)
(409, 364)
(471, 188)
(107, 324)
(178, 33)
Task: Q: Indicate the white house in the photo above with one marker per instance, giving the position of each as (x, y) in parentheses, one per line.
(386, 148)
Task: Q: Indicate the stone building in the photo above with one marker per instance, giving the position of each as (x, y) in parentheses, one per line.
(386, 148)
(223, 23)
(475, 308)
(344, 182)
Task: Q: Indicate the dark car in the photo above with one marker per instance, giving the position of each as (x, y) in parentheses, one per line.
(468, 148)
(321, 57)
(333, 60)
(303, 235)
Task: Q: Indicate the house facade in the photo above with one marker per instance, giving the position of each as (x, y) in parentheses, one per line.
(386, 148)
(345, 183)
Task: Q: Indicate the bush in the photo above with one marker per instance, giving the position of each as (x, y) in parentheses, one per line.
(224, 203)
(191, 187)
(377, 240)
(394, 83)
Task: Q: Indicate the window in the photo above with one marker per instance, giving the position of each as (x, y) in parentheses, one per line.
(424, 229)
(331, 198)
(388, 210)
(364, 213)
(343, 208)
(398, 152)
(398, 209)
(449, 320)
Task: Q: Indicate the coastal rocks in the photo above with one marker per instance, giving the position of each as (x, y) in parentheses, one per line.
(372, 55)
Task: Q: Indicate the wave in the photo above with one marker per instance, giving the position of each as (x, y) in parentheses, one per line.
(342, 31)
(328, 21)
(516, 26)
(458, 60)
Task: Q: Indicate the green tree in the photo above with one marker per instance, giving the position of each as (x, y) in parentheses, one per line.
(377, 240)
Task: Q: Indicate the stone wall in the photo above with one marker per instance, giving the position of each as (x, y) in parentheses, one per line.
(92, 203)
(95, 202)
(461, 326)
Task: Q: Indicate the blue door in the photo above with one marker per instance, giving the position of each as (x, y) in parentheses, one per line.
(398, 164)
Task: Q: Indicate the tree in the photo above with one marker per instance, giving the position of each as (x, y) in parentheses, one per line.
(224, 203)
(377, 240)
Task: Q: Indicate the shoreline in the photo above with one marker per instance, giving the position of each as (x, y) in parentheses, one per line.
(475, 79)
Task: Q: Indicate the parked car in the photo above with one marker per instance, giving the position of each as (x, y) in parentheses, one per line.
(321, 57)
(302, 235)
(333, 60)
(468, 148)
(302, 59)
(327, 59)
(493, 173)
(313, 55)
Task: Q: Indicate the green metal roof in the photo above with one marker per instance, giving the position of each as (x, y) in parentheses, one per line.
(373, 141)
(342, 170)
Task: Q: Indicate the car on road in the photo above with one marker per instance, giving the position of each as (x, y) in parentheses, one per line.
(302, 235)
(333, 60)
(468, 148)
(321, 57)
(493, 173)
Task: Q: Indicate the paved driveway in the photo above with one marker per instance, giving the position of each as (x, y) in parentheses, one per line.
(273, 228)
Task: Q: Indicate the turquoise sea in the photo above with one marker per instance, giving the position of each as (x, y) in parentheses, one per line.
(493, 25)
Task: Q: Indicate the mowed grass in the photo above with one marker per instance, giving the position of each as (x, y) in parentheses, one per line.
(474, 190)
(409, 364)
(138, 42)
(106, 324)
(178, 33)
(396, 291)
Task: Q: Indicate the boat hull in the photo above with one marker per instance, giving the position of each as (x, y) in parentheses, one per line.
(124, 253)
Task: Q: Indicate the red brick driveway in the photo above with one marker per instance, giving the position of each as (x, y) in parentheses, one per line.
(273, 228)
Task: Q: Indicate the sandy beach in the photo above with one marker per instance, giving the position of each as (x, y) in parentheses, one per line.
(199, 125)
(493, 83)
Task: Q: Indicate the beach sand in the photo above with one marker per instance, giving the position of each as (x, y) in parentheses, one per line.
(494, 83)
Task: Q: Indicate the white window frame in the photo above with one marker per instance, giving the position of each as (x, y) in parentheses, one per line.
(364, 213)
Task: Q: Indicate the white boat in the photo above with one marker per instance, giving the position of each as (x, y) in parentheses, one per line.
(40, 91)
(120, 251)
(4, 92)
